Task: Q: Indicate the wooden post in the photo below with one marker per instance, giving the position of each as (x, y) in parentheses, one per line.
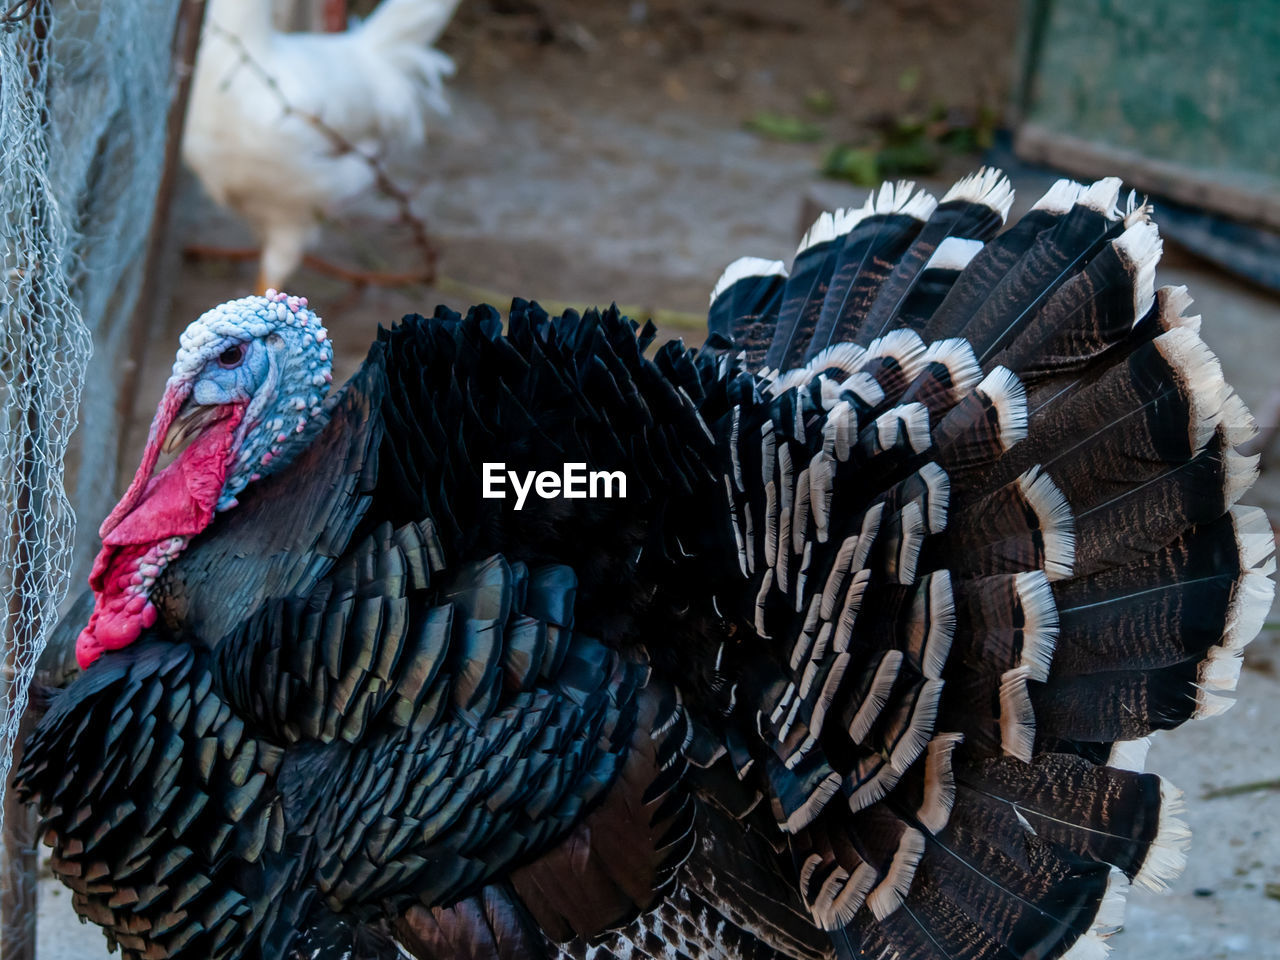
(150, 310)
(18, 898)
(18, 889)
(17, 843)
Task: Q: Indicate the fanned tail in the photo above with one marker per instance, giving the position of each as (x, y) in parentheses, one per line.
(982, 497)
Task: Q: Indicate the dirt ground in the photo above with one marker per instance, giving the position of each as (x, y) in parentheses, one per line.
(597, 153)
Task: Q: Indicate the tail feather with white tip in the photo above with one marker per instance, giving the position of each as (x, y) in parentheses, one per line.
(985, 506)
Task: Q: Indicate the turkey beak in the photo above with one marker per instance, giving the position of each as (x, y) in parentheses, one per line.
(191, 420)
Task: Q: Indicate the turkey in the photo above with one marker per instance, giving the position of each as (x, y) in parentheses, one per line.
(915, 553)
(252, 135)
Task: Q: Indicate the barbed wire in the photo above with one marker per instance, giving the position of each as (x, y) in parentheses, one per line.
(18, 12)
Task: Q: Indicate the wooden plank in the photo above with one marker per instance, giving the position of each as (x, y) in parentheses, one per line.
(1178, 98)
(1182, 184)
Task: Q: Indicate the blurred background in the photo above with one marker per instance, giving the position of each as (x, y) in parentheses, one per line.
(625, 151)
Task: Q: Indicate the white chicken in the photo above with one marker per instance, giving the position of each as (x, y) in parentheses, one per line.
(251, 135)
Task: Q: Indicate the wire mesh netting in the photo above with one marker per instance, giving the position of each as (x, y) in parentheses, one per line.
(84, 93)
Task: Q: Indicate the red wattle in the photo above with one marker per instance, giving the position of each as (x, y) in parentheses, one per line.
(159, 515)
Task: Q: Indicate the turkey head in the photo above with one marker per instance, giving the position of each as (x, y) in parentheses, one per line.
(249, 376)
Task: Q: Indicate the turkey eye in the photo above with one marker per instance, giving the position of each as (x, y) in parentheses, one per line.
(232, 356)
